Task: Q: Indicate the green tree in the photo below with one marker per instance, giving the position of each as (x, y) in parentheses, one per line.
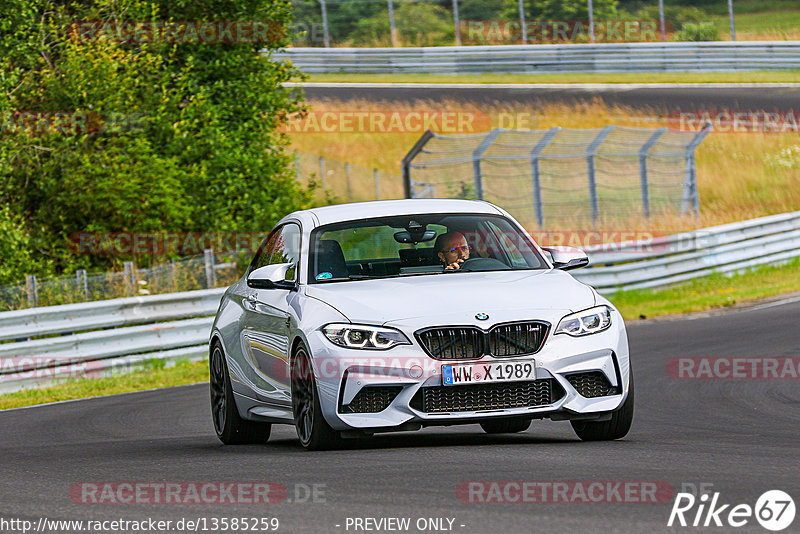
(102, 134)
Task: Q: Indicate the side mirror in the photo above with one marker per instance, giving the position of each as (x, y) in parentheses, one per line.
(567, 258)
(271, 277)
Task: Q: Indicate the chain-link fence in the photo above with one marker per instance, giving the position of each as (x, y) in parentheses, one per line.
(544, 177)
(196, 272)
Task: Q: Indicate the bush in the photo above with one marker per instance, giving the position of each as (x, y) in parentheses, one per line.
(418, 24)
(561, 10)
(674, 16)
(15, 243)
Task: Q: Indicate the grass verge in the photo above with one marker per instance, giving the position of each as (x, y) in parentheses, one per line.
(622, 77)
(712, 292)
(152, 377)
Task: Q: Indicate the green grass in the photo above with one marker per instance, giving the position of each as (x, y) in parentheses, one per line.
(778, 25)
(712, 292)
(626, 77)
(154, 376)
(720, 7)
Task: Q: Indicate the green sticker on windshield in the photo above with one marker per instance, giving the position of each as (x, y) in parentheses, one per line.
(324, 276)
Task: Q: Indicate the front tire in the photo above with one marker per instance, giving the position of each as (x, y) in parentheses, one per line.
(314, 432)
(231, 429)
(506, 426)
(615, 428)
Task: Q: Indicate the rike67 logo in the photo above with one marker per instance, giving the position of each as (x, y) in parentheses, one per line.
(774, 510)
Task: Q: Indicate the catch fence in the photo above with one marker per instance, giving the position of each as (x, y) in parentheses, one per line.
(559, 175)
(206, 271)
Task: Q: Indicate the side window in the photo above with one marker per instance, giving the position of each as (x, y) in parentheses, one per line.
(286, 249)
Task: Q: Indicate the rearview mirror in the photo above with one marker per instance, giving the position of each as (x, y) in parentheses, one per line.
(271, 277)
(567, 258)
(405, 236)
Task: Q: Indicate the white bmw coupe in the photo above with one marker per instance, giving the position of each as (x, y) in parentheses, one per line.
(394, 315)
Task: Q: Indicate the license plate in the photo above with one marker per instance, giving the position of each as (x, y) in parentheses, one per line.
(484, 373)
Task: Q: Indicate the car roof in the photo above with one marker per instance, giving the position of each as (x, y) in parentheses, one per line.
(384, 208)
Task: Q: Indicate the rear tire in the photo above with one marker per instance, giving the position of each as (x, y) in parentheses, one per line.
(506, 426)
(314, 432)
(231, 429)
(615, 428)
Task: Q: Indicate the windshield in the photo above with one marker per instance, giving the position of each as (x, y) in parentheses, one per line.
(419, 245)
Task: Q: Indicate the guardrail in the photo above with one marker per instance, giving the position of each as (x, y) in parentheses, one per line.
(104, 337)
(44, 345)
(604, 57)
(677, 258)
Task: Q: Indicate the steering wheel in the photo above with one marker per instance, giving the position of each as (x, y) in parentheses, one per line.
(484, 264)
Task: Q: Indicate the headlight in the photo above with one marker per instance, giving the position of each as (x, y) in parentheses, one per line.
(585, 322)
(356, 336)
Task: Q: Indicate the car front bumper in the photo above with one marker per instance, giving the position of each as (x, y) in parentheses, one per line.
(343, 373)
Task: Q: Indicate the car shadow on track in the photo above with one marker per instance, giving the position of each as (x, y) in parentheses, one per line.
(409, 440)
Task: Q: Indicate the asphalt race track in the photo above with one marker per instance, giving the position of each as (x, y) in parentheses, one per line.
(664, 98)
(739, 435)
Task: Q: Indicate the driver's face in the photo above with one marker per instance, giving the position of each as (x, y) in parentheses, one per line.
(456, 250)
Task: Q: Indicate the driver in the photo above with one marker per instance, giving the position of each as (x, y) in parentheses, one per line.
(452, 249)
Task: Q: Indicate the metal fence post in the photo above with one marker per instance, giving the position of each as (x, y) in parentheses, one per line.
(537, 186)
(456, 23)
(172, 275)
(477, 154)
(690, 195)
(406, 163)
(297, 165)
(590, 154)
(83, 284)
(347, 177)
(211, 279)
(377, 184)
(322, 172)
(643, 169)
(392, 26)
(129, 273)
(326, 39)
(33, 291)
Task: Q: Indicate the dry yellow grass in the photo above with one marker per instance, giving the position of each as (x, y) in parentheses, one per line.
(740, 175)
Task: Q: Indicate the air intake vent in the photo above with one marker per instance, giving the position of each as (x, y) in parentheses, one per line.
(593, 384)
(469, 342)
(372, 399)
(448, 399)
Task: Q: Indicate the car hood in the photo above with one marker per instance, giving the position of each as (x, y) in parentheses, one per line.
(454, 295)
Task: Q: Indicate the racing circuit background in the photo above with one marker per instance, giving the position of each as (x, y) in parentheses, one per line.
(716, 411)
